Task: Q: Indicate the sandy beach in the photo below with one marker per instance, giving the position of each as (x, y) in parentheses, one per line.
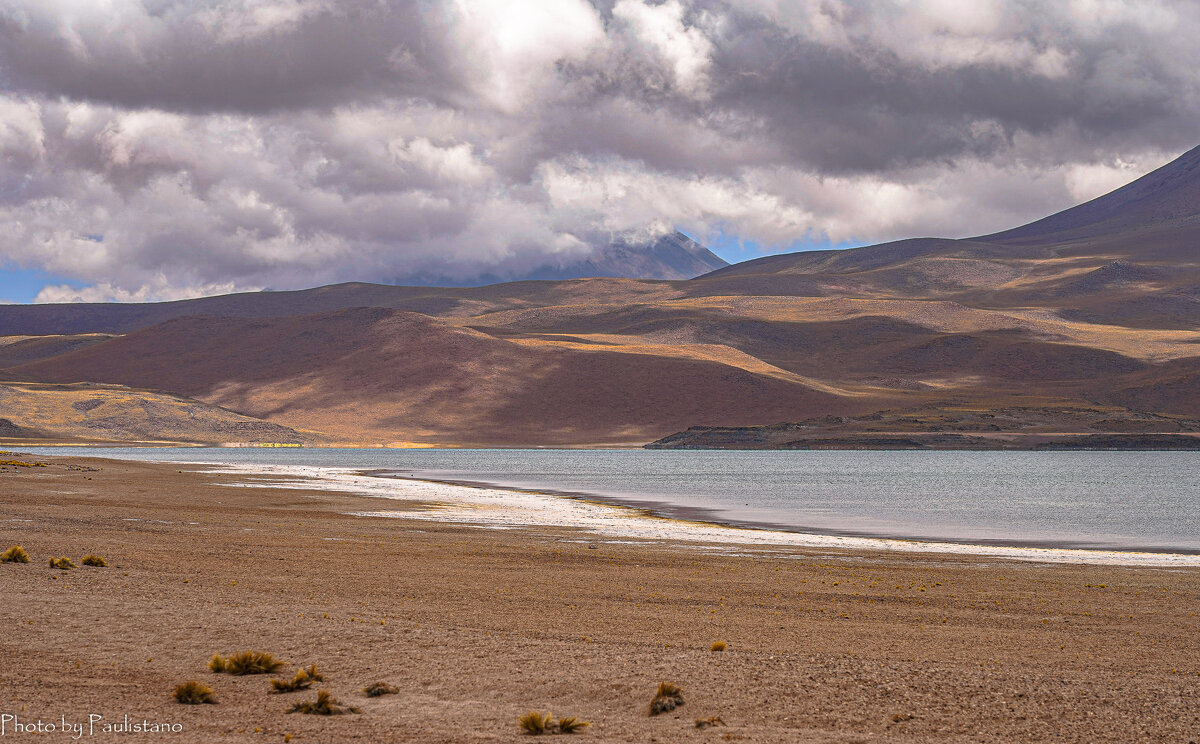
(478, 619)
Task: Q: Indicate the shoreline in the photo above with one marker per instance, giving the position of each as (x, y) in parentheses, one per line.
(488, 506)
(701, 517)
(511, 507)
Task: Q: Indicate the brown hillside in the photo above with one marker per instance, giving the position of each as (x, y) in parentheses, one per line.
(113, 413)
(379, 375)
(17, 350)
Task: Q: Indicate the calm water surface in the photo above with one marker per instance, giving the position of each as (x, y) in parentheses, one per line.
(1129, 500)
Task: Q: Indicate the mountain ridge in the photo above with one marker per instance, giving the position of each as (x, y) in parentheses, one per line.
(1062, 317)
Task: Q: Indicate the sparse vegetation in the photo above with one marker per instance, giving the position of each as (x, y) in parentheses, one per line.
(667, 698)
(535, 723)
(703, 723)
(718, 646)
(15, 554)
(246, 662)
(378, 689)
(194, 693)
(63, 563)
(324, 705)
(20, 464)
(302, 681)
(571, 725)
(94, 560)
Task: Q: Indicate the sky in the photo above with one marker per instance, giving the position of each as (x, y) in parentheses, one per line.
(160, 149)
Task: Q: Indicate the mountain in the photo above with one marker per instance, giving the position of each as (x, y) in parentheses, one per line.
(1081, 329)
(1129, 258)
(375, 376)
(673, 256)
(1152, 218)
(670, 256)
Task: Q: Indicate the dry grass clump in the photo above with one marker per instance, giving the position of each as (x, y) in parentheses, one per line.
(719, 646)
(378, 689)
(703, 723)
(21, 464)
(571, 725)
(15, 554)
(668, 698)
(63, 563)
(302, 681)
(245, 662)
(194, 693)
(95, 560)
(324, 705)
(535, 723)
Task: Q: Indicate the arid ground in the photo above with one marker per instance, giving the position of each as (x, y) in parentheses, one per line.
(476, 627)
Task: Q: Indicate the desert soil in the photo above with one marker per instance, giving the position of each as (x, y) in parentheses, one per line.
(475, 627)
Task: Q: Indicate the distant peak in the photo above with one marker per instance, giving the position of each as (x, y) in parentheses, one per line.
(1163, 196)
(671, 255)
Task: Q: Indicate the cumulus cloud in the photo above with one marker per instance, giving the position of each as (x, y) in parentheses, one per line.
(683, 51)
(107, 292)
(157, 149)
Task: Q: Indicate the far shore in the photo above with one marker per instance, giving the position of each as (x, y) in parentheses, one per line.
(477, 622)
(738, 438)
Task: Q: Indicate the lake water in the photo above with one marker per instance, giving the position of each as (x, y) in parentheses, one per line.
(1122, 500)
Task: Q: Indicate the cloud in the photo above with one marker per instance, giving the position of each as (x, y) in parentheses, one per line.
(155, 149)
(683, 50)
(107, 292)
(507, 51)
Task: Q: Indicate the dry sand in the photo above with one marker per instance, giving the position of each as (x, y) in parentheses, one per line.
(477, 626)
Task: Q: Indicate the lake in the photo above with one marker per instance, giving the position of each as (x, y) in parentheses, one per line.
(1111, 500)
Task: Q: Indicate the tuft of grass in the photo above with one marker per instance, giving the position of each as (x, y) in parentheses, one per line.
(667, 698)
(21, 464)
(535, 723)
(703, 723)
(246, 662)
(194, 693)
(378, 689)
(719, 646)
(302, 681)
(15, 554)
(63, 563)
(571, 725)
(216, 664)
(95, 560)
(324, 705)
